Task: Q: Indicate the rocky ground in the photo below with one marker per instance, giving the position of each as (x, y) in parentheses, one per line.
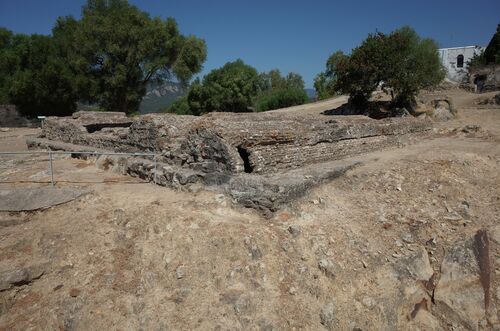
(408, 240)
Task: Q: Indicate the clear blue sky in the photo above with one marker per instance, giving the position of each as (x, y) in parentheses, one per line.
(289, 35)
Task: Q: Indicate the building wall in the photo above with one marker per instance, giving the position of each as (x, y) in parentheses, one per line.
(449, 58)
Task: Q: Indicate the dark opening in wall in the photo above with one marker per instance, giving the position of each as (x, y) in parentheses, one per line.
(245, 156)
(91, 128)
(460, 61)
(480, 80)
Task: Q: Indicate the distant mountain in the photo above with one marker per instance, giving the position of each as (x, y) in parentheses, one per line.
(159, 97)
(311, 93)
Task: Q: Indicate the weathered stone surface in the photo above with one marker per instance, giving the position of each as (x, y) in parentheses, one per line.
(327, 267)
(54, 145)
(485, 78)
(495, 100)
(104, 130)
(327, 316)
(438, 107)
(21, 276)
(465, 288)
(234, 143)
(268, 192)
(25, 199)
(417, 266)
(262, 160)
(495, 234)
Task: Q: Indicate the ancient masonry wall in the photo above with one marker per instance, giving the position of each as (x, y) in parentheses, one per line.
(264, 153)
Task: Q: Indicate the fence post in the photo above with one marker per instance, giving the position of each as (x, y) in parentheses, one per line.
(51, 170)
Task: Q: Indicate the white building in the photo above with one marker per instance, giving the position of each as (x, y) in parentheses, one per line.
(455, 61)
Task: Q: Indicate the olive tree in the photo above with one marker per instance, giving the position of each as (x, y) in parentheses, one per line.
(401, 62)
(123, 49)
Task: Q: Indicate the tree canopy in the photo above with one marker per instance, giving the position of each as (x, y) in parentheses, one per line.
(124, 48)
(227, 89)
(35, 76)
(238, 87)
(491, 54)
(277, 91)
(400, 61)
(107, 57)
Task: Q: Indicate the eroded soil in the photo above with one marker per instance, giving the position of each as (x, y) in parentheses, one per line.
(131, 255)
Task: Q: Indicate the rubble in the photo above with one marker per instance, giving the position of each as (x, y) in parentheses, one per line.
(494, 100)
(484, 78)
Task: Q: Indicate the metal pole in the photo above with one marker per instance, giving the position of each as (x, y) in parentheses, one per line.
(51, 170)
(155, 170)
(155, 178)
(83, 153)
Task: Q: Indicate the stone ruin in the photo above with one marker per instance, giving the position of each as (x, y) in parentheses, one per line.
(261, 160)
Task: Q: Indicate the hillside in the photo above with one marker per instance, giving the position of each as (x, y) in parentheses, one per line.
(158, 97)
(394, 244)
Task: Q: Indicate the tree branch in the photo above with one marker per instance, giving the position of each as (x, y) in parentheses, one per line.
(150, 74)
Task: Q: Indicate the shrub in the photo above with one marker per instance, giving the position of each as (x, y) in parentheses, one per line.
(227, 89)
(280, 98)
(180, 106)
(238, 87)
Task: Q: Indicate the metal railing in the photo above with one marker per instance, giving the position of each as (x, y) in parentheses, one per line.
(51, 167)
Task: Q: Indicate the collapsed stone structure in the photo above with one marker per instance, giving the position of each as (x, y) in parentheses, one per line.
(262, 160)
(484, 78)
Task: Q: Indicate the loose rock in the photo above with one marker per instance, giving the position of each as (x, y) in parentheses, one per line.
(74, 292)
(180, 272)
(327, 316)
(294, 230)
(327, 267)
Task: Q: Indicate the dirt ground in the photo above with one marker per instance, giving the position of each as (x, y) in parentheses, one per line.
(130, 255)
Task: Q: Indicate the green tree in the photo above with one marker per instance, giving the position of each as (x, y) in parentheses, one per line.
(323, 91)
(271, 79)
(477, 60)
(280, 98)
(279, 92)
(123, 48)
(39, 81)
(492, 51)
(413, 65)
(274, 80)
(8, 62)
(324, 82)
(490, 55)
(64, 34)
(237, 87)
(401, 62)
(180, 106)
(230, 88)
